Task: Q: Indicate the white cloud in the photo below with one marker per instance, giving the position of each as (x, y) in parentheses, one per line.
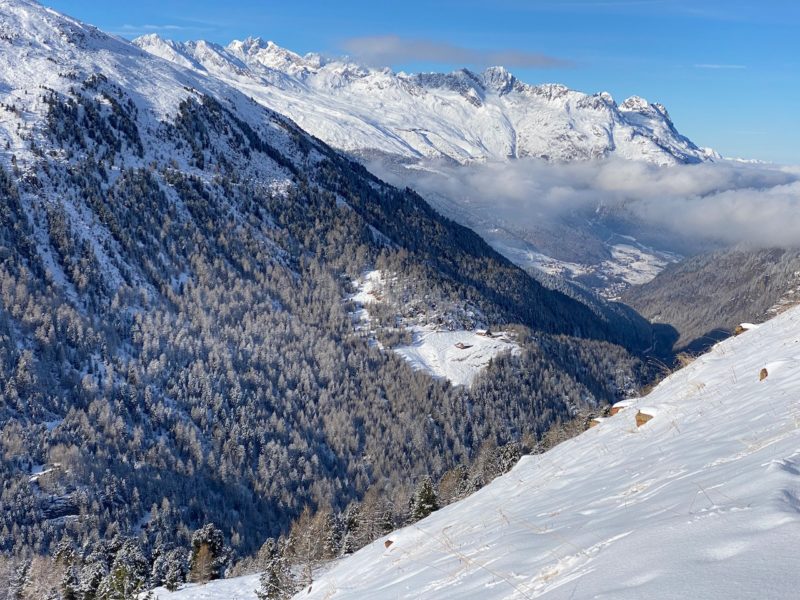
(719, 66)
(724, 202)
(382, 50)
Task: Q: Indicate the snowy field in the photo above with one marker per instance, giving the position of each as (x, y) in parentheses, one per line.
(455, 355)
(369, 288)
(633, 265)
(237, 588)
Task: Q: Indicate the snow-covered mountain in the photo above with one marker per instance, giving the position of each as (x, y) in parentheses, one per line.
(178, 343)
(690, 492)
(402, 125)
(463, 116)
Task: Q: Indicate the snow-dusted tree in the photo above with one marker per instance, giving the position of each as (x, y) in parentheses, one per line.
(176, 569)
(276, 582)
(424, 501)
(19, 578)
(209, 554)
(305, 543)
(351, 521)
(69, 585)
(128, 575)
(332, 535)
(93, 573)
(454, 485)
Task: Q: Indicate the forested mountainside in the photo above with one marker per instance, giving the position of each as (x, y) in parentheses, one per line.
(706, 296)
(177, 343)
(460, 139)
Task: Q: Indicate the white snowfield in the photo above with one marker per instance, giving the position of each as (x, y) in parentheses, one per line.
(455, 355)
(236, 588)
(702, 501)
(463, 116)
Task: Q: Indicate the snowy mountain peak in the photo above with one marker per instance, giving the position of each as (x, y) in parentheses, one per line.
(636, 104)
(661, 108)
(462, 115)
(43, 27)
(607, 98)
(167, 49)
(499, 79)
(256, 51)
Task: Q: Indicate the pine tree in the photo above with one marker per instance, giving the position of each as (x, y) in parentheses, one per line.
(332, 539)
(18, 581)
(69, 585)
(92, 575)
(202, 569)
(128, 575)
(304, 542)
(276, 582)
(209, 554)
(175, 573)
(351, 527)
(424, 501)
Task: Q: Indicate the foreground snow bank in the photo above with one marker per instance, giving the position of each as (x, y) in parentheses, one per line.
(702, 501)
(237, 588)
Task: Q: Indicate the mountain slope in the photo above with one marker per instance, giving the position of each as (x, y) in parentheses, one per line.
(430, 131)
(701, 501)
(463, 116)
(177, 339)
(706, 296)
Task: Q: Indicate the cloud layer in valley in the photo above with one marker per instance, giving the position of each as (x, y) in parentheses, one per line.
(726, 202)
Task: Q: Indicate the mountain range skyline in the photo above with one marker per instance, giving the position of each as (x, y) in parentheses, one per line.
(723, 69)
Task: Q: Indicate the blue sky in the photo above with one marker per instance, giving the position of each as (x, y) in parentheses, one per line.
(728, 71)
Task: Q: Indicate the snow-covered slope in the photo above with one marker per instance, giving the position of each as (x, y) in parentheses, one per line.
(445, 349)
(462, 115)
(702, 501)
(42, 50)
(457, 356)
(236, 588)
